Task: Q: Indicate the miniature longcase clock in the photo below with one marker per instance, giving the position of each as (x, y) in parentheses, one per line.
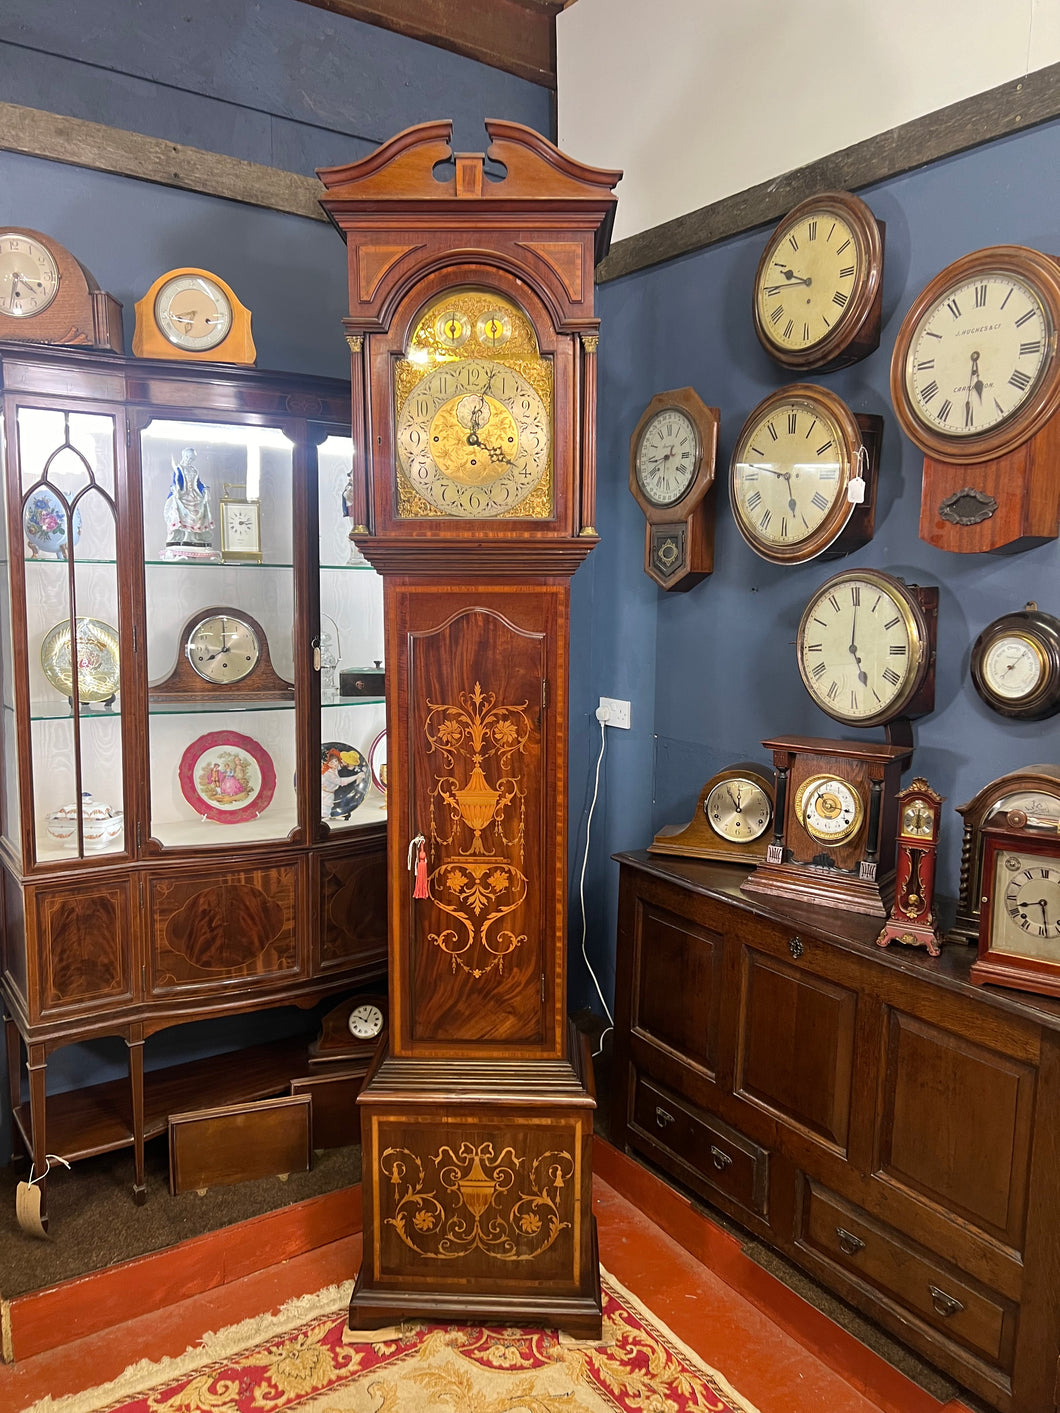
(473, 342)
(975, 383)
(671, 476)
(913, 921)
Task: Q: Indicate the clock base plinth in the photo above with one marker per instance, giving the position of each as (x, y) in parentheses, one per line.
(477, 1195)
(991, 971)
(823, 887)
(911, 934)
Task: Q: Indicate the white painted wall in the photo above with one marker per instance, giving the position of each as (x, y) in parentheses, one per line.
(698, 99)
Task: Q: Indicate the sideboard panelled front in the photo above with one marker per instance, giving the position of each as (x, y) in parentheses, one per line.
(880, 1121)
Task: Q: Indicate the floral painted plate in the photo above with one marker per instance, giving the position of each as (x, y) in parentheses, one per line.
(44, 522)
(227, 777)
(344, 779)
(97, 659)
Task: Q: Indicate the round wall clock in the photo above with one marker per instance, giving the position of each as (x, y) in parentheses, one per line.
(671, 471)
(1016, 664)
(866, 647)
(193, 314)
(818, 287)
(793, 478)
(975, 370)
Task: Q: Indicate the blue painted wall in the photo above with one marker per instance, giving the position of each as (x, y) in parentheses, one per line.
(273, 82)
(711, 673)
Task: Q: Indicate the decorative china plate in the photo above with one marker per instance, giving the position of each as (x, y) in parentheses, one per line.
(344, 779)
(377, 762)
(97, 659)
(227, 777)
(44, 523)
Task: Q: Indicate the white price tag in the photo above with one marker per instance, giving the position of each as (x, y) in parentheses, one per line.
(856, 490)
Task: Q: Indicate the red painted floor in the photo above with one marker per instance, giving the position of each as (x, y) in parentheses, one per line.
(781, 1355)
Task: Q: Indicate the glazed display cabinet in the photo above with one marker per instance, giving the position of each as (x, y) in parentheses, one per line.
(191, 826)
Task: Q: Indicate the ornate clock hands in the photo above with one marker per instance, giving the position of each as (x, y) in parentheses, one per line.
(975, 384)
(790, 278)
(862, 675)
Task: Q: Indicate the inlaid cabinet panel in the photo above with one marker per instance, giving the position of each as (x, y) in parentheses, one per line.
(796, 1046)
(351, 896)
(84, 943)
(214, 927)
(955, 1124)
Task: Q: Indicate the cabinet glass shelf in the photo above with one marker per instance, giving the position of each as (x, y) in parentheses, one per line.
(64, 563)
(216, 564)
(63, 711)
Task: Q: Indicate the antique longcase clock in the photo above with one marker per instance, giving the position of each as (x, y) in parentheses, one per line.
(474, 371)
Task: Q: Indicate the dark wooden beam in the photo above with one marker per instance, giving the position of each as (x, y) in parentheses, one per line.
(1011, 107)
(517, 36)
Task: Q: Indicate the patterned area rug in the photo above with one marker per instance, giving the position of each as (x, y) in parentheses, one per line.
(307, 1361)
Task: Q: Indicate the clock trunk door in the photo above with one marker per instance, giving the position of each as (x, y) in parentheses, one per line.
(475, 772)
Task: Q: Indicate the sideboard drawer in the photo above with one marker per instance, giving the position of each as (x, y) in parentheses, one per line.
(721, 1157)
(883, 1258)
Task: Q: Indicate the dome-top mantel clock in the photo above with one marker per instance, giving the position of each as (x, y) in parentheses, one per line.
(473, 345)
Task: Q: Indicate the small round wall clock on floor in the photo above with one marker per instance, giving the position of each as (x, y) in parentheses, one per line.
(1016, 664)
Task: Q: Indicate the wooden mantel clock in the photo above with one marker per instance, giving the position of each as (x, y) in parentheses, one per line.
(474, 373)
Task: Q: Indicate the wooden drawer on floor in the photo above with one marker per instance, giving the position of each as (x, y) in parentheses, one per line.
(882, 1259)
(721, 1158)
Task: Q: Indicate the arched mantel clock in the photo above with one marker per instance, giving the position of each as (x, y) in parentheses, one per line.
(473, 348)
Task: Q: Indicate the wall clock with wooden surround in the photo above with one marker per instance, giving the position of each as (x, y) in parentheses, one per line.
(47, 295)
(1016, 664)
(473, 343)
(975, 383)
(802, 480)
(819, 284)
(671, 476)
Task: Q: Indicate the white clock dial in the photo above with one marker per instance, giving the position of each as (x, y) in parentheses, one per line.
(788, 473)
(1027, 905)
(807, 279)
(667, 456)
(738, 810)
(365, 1022)
(977, 354)
(828, 809)
(193, 312)
(222, 649)
(1012, 666)
(29, 276)
(860, 650)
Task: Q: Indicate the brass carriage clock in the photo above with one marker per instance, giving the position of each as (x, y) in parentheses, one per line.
(474, 374)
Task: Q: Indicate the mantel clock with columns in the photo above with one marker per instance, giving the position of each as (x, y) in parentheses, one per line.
(473, 348)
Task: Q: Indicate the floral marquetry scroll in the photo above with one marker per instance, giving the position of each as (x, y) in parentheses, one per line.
(466, 1200)
(477, 825)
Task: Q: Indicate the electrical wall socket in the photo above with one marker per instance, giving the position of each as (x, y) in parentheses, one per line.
(617, 712)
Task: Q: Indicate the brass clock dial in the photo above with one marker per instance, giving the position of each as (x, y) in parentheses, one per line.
(791, 475)
(829, 809)
(865, 647)
(222, 648)
(818, 284)
(29, 275)
(193, 312)
(473, 414)
(975, 369)
(1016, 664)
(739, 810)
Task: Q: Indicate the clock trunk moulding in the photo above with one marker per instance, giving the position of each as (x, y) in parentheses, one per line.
(473, 350)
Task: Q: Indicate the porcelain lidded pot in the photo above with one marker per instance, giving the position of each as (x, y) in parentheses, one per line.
(100, 824)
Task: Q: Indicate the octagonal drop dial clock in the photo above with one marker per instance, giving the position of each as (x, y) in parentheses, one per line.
(672, 455)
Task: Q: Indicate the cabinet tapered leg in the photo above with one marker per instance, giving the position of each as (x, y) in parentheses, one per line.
(135, 1042)
(13, 1046)
(37, 1067)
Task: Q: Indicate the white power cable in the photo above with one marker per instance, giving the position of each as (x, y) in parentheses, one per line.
(601, 716)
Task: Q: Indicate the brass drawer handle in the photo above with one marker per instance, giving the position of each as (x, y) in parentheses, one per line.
(662, 1118)
(944, 1304)
(795, 947)
(720, 1158)
(848, 1242)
